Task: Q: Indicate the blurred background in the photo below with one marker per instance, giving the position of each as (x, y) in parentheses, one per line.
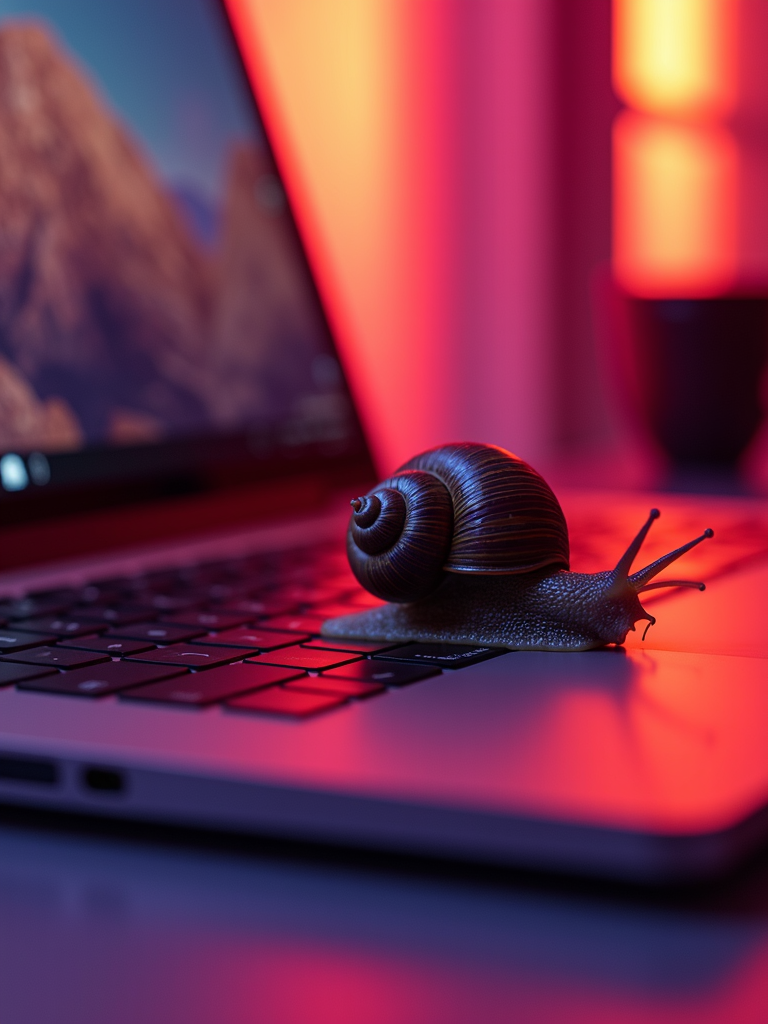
(538, 223)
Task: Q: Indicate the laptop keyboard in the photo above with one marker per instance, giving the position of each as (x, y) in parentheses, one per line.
(241, 633)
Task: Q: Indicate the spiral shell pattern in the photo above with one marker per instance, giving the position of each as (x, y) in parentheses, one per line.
(399, 538)
(460, 508)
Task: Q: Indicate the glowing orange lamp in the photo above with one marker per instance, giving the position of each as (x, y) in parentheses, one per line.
(682, 206)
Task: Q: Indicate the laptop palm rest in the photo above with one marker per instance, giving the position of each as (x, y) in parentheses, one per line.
(641, 764)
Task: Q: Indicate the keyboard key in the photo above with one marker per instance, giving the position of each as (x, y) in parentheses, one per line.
(228, 592)
(59, 626)
(355, 646)
(110, 645)
(115, 615)
(205, 621)
(56, 657)
(287, 703)
(253, 637)
(197, 657)
(339, 687)
(305, 657)
(385, 673)
(116, 586)
(205, 688)
(29, 607)
(157, 633)
(95, 593)
(58, 595)
(13, 640)
(258, 608)
(100, 681)
(442, 655)
(294, 623)
(11, 673)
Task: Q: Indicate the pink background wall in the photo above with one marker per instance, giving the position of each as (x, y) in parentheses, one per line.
(453, 168)
(419, 138)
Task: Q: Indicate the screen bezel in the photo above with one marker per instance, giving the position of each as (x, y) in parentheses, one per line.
(107, 477)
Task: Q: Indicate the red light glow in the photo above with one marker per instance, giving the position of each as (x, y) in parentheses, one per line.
(675, 220)
(351, 91)
(413, 138)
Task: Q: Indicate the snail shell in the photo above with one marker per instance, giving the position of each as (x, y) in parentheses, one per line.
(459, 508)
(425, 539)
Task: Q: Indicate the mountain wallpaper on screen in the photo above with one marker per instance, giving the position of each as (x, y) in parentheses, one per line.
(117, 325)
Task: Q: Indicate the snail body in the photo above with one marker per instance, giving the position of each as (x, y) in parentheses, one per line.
(468, 544)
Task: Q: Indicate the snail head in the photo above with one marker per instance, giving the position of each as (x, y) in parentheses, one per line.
(624, 589)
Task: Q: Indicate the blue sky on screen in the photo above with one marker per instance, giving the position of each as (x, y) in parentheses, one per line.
(167, 68)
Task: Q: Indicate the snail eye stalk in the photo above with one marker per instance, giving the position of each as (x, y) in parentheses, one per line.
(639, 580)
(626, 560)
(672, 583)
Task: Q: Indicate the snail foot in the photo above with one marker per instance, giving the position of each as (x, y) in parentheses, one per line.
(463, 612)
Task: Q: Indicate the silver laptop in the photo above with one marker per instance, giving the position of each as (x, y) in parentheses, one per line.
(178, 451)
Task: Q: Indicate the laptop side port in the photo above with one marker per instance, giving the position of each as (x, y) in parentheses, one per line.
(28, 769)
(103, 780)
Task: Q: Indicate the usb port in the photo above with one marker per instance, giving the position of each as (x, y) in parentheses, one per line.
(103, 780)
(28, 769)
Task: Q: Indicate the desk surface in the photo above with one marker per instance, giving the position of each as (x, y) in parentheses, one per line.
(112, 930)
(108, 930)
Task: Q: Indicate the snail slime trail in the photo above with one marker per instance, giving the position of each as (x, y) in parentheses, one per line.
(468, 544)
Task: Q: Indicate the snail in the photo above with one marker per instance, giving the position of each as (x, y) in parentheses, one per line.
(468, 544)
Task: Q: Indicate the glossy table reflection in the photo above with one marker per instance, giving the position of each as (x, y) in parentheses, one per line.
(128, 928)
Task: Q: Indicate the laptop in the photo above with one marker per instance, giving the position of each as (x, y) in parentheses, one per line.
(178, 449)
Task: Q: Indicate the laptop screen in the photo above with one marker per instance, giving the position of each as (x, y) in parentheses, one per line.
(158, 320)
